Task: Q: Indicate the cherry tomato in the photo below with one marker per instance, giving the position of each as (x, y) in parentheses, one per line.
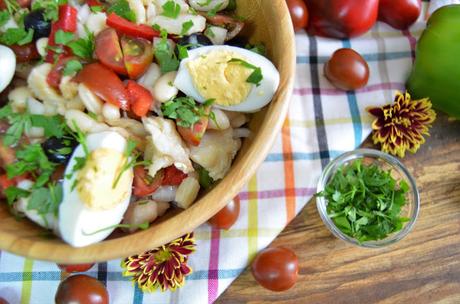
(131, 29)
(173, 176)
(138, 54)
(108, 50)
(75, 268)
(140, 98)
(55, 75)
(143, 183)
(276, 268)
(194, 134)
(81, 288)
(400, 14)
(105, 84)
(299, 13)
(26, 52)
(225, 218)
(347, 70)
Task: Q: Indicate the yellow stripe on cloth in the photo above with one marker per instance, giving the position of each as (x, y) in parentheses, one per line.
(27, 281)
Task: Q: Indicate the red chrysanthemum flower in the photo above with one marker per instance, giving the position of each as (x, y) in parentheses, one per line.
(400, 126)
(164, 267)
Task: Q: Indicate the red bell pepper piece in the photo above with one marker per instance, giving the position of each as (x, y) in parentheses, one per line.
(92, 3)
(341, 18)
(131, 29)
(139, 97)
(173, 176)
(67, 22)
(55, 75)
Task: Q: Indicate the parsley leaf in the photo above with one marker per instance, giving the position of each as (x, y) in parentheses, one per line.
(4, 17)
(130, 153)
(142, 226)
(257, 48)
(72, 66)
(256, 76)
(17, 36)
(185, 111)
(46, 200)
(12, 6)
(165, 55)
(171, 9)
(122, 9)
(186, 26)
(83, 47)
(49, 7)
(64, 38)
(13, 193)
(213, 12)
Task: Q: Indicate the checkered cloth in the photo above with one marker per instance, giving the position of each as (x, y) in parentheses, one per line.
(323, 122)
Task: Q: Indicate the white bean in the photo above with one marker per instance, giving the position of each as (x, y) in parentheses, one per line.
(68, 87)
(18, 98)
(137, 6)
(187, 192)
(84, 122)
(164, 88)
(131, 125)
(165, 194)
(35, 107)
(96, 22)
(110, 112)
(212, 4)
(83, 13)
(143, 211)
(41, 45)
(90, 100)
(75, 104)
(237, 119)
(151, 11)
(221, 120)
(150, 77)
(174, 26)
(216, 34)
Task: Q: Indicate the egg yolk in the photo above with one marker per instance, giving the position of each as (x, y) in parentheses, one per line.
(216, 78)
(95, 181)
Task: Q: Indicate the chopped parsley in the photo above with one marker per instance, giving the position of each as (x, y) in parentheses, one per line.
(96, 8)
(165, 55)
(12, 6)
(131, 160)
(4, 17)
(365, 201)
(186, 26)
(182, 50)
(122, 9)
(13, 193)
(81, 47)
(50, 8)
(17, 36)
(257, 48)
(231, 5)
(205, 3)
(186, 111)
(256, 76)
(171, 9)
(208, 32)
(46, 200)
(215, 9)
(72, 67)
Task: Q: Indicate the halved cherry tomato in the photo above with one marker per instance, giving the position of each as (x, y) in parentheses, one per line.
(173, 176)
(108, 50)
(131, 29)
(105, 84)
(75, 268)
(194, 134)
(144, 184)
(138, 54)
(225, 218)
(140, 98)
(26, 52)
(67, 22)
(55, 75)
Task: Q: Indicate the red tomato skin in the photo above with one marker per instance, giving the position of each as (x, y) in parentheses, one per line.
(138, 55)
(140, 98)
(299, 13)
(341, 18)
(399, 14)
(194, 134)
(108, 50)
(131, 29)
(105, 84)
(173, 176)
(142, 184)
(25, 53)
(276, 268)
(75, 267)
(55, 75)
(347, 70)
(68, 23)
(227, 216)
(81, 289)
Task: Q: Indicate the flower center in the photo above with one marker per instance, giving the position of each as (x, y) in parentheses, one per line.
(162, 256)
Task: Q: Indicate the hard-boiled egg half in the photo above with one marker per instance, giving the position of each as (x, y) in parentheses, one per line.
(8, 64)
(95, 196)
(235, 78)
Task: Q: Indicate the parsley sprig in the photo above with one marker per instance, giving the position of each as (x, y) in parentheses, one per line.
(17, 36)
(131, 160)
(122, 9)
(186, 111)
(171, 9)
(365, 201)
(256, 75)
(50, 8)
(164, 54)
(81, 47)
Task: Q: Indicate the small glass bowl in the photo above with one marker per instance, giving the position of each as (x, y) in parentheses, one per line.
(386, 162)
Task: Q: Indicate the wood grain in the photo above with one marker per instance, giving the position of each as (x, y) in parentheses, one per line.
(422, 268)
(24, 238)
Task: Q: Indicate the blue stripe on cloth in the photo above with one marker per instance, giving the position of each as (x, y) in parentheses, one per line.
(367, 57)
(354, 110)
(138, 295)
(278, 157)
(221, 274)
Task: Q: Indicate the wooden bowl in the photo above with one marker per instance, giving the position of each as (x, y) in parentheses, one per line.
(268, 22)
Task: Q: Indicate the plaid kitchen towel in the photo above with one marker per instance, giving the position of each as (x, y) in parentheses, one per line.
(322, 123)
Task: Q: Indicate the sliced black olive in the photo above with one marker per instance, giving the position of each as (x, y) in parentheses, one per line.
(59, 150)
(192, 41)
(35, 20)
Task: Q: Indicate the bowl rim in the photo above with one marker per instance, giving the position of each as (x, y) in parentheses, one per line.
(189, 219)
(360, 153)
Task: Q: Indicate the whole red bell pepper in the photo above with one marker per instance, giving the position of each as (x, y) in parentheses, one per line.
(341, 18)
(67, 22)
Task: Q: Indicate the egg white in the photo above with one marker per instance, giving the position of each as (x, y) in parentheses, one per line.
(258, 97)
(8, 64)
(76, 221)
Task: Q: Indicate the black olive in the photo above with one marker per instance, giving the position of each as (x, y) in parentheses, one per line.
(193, 41)
(59, 150)
(238, 41)
(36, 20)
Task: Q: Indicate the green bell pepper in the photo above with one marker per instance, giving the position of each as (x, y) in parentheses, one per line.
(436, 70)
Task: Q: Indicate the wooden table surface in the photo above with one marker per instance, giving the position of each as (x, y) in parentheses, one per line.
(422, 268)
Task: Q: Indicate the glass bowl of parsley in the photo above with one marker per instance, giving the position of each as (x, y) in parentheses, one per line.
(368, 198)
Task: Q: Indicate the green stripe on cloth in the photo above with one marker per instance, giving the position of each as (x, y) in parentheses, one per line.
(27, 281)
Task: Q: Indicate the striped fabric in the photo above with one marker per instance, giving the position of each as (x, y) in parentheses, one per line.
(323, 122)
